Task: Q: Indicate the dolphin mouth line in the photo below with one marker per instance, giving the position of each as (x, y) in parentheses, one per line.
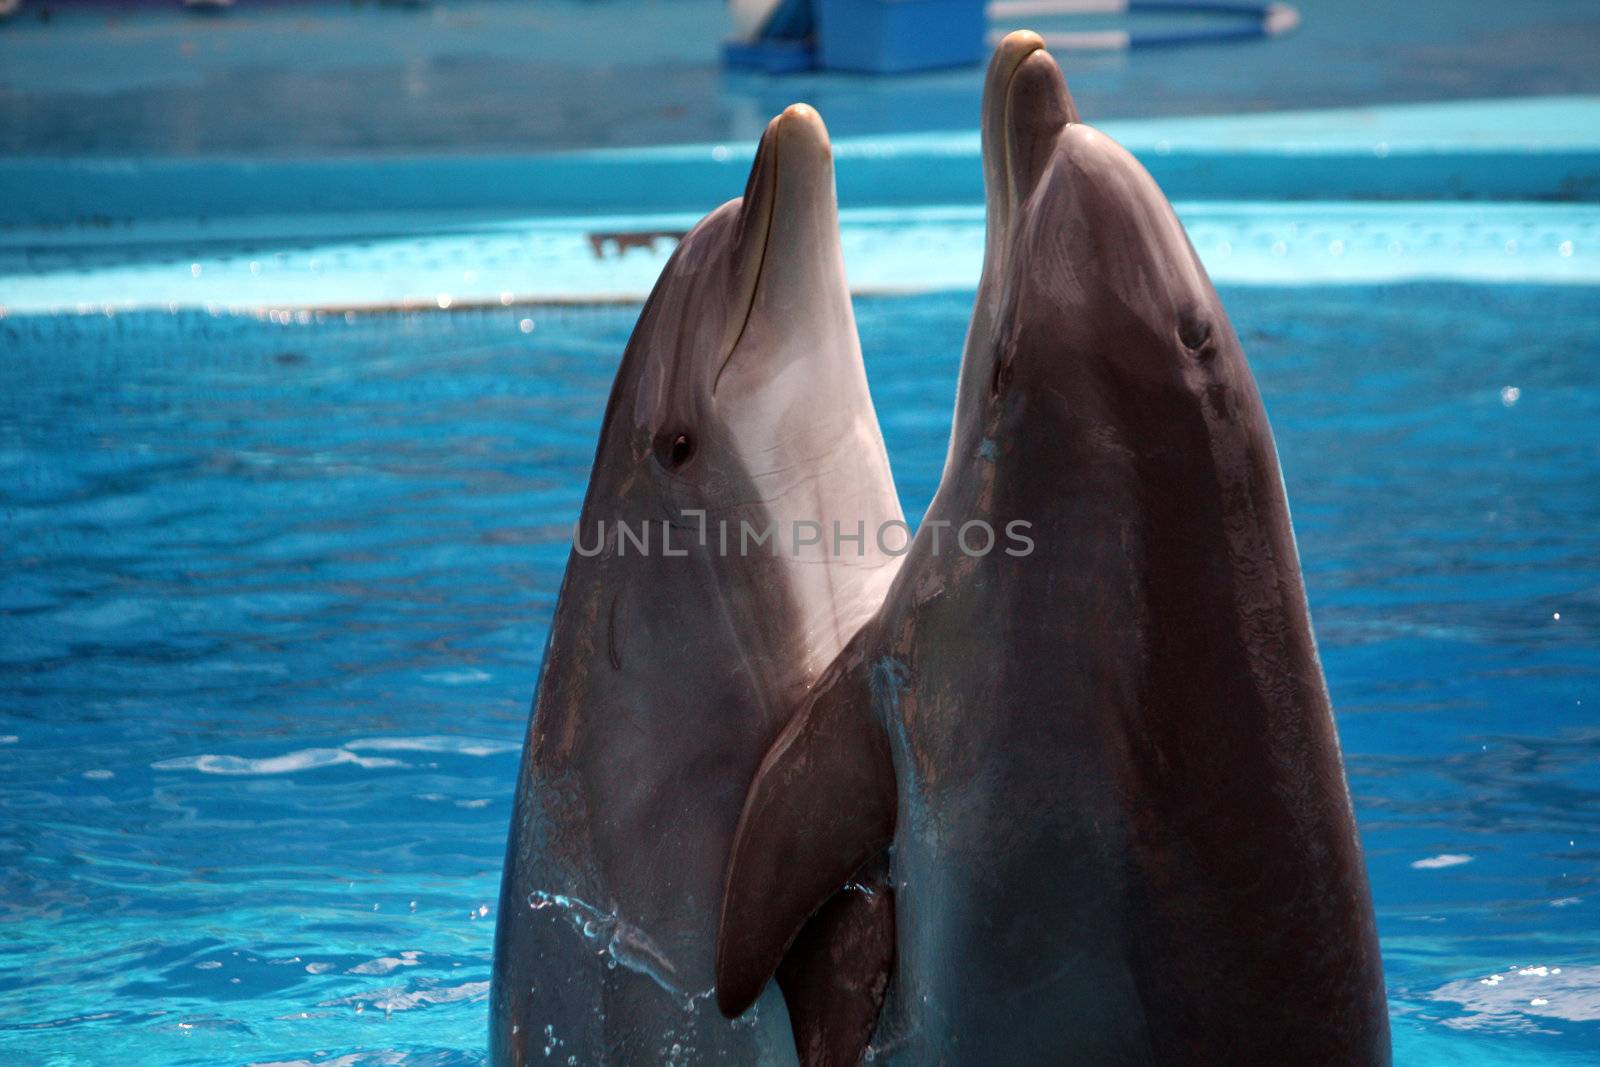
(761, 262)
(1005, 117)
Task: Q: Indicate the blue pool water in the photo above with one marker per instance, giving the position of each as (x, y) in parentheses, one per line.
(274, 595)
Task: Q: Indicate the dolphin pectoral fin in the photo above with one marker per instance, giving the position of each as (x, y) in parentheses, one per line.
(836, 973)
(821, 806)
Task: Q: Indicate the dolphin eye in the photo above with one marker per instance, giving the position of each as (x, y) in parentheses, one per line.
(673, 449)
(1194, 332)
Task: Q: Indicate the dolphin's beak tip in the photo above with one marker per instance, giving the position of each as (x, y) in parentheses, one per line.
(801, 123)
(802, 155)
(801, 112)
(1038, 78)
(1038, 64)
(1020, 42)
(1013, 48)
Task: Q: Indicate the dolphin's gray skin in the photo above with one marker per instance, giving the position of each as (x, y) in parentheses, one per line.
(741, 398)
(1107, 768)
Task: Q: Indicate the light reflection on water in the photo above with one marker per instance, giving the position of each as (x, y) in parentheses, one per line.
(274, 598)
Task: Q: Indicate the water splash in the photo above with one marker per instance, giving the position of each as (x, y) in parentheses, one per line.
(621, 942)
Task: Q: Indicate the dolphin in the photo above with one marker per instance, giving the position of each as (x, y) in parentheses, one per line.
(1102, 757)
(697, 608)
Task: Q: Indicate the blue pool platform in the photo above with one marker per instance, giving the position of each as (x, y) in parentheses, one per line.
(1467, 190)
(1535, 148)
(310, 80)
(318, 158)
(322, 265)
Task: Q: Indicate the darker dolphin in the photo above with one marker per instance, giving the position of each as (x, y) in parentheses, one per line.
(1105, 769)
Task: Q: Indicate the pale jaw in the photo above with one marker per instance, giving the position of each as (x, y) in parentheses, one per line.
(793, 396)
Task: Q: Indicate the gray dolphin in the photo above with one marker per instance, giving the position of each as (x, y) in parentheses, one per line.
(1106, 768)
(680, 647)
